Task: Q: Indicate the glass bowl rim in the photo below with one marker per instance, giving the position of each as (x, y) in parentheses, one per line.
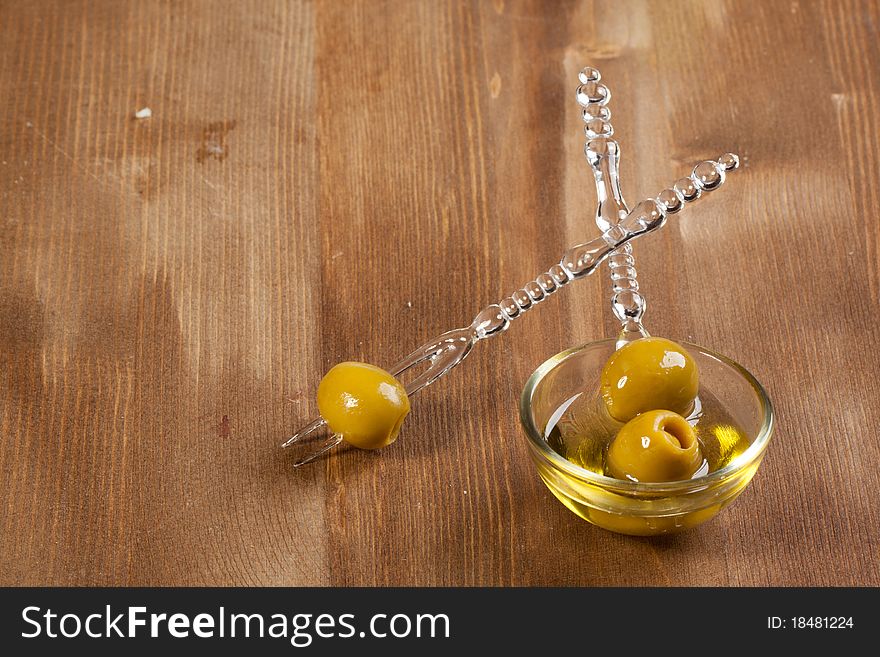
(747, 458)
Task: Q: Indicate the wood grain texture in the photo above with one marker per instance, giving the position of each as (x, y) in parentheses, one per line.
(323, 181)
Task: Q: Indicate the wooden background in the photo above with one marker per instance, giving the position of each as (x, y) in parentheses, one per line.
(323, 181)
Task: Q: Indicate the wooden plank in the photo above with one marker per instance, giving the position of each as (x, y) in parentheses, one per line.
(330, 181)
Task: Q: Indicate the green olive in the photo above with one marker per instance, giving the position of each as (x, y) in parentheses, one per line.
(654, 446)
(647, 374)
(363, 403)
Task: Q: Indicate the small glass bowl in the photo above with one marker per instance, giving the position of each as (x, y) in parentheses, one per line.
(643, 509)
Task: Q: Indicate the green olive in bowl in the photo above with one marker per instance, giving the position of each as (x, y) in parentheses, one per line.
(649, 374)
(654, 446)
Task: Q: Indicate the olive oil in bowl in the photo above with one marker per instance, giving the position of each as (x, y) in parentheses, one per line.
(569, 431)
(583, 430)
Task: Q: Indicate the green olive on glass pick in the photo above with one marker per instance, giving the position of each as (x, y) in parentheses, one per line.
(649, 374)
(362, 403)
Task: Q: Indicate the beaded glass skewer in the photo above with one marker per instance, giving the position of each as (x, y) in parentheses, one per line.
(603, 155)
(619, 227)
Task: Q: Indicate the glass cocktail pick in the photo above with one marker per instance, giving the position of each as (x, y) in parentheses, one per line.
(618, 225)
(603, 155)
